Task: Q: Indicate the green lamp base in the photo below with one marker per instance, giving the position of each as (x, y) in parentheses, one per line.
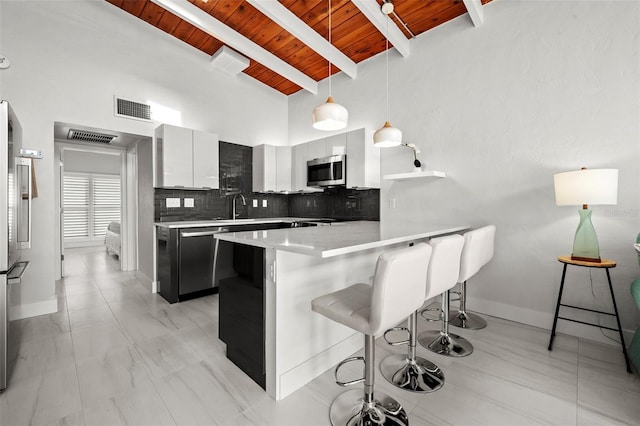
(585, 242)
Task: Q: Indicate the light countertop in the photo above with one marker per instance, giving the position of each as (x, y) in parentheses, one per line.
(227, 222)
(338, 239)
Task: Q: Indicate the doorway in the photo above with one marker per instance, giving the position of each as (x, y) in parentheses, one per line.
(100, 194)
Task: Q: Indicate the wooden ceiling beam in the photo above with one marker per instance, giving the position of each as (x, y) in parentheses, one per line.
(371, 9)
(207, 23)
(474, 7)
(294, 25)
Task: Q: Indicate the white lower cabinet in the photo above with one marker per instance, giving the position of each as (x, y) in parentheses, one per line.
(186, 158)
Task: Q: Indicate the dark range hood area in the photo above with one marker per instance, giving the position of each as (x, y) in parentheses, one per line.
(236, 165)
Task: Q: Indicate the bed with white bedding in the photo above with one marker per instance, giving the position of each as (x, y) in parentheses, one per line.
(112, 238)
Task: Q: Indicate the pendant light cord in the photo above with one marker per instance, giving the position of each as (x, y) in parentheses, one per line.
(329, 43)
(386, 54)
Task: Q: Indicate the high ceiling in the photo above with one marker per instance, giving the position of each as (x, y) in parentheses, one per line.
(286, 41)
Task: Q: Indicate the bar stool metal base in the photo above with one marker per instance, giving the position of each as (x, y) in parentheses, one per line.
(349, 409)
(467, 320)
(419, 375)
(445, 344)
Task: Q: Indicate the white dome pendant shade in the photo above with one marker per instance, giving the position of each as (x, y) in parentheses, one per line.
(330, 116)
(387, 136)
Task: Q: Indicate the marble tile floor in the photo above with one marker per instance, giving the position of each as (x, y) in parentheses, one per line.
(115, 354)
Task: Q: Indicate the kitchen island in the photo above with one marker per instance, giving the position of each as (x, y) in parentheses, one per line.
(188, 262)
(281, 271)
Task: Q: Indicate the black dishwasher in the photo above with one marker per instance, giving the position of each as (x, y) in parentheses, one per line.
(186, 259)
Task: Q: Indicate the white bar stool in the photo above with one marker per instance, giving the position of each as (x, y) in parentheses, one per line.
(442, 277)
(477, 252)
(398, 289)
(409, 371)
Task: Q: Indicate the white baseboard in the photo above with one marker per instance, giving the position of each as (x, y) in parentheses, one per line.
(302, 374)
(29, 310)
(545, 320)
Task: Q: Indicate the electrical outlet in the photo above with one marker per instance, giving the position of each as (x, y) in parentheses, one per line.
(188, 202)
(264, 203)
(255, 203)
(173, 202)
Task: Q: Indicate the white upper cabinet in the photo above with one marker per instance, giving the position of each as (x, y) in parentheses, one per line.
(363, 160)
(174, 156)
(271, 168)
(205, 160)
(336, 144)
(283, 168)
(186, 158)
(316, 149)
(300, 156)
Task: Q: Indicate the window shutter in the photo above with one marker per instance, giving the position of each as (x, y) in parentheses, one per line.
(76, 206)
(91, 202)
(106, 203)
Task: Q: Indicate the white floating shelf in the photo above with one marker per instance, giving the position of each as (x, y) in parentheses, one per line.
(415, 175)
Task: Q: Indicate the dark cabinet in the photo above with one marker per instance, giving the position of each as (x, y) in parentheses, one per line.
(241, 320)
(185, 262)
(236, 168)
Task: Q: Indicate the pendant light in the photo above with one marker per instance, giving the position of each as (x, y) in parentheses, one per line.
(387, 135)
(330, 115)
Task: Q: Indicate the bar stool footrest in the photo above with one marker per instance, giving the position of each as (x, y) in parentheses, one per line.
(341, 364)
(426, 318)
(400, 342)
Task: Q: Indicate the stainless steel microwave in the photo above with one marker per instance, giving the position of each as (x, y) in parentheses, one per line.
(327, 171)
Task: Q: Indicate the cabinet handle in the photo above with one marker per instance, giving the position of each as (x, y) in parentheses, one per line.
(201, 233)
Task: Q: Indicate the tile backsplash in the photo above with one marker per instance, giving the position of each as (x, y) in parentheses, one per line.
(337, 203)
(334, 203)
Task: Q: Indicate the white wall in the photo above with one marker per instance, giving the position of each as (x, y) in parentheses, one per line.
(540, 88)
(68, 59)
(145, 210)
(92, 162)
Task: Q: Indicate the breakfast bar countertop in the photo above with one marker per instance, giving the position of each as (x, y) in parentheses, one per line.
(339, 238)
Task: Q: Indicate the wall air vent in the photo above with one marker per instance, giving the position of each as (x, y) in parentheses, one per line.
(131, 109)
(85, 136)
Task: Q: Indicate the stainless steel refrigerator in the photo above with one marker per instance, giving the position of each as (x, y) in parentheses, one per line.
(15, 229)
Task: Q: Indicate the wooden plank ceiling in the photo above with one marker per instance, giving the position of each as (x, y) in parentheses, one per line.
(351, 32)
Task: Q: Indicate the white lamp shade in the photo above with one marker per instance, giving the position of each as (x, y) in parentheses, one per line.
(597, 186)
(330, 116)
(387, 136)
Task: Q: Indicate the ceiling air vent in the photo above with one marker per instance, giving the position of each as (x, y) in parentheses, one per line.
(130, 109)
(229, 61)
(85, 136)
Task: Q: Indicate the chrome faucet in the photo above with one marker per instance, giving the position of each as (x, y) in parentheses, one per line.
(233, 203)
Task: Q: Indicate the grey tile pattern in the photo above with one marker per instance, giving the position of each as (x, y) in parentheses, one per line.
(115, 354)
